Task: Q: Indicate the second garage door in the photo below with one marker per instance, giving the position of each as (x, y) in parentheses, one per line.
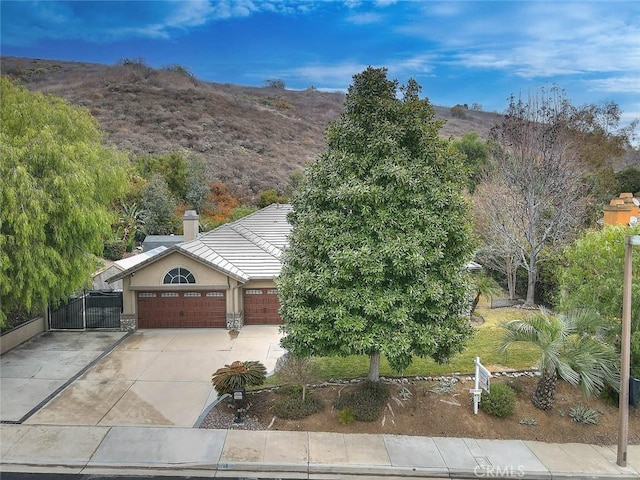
(181, 309)
(261, 306)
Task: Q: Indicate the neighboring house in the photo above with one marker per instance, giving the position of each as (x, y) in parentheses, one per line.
(190, 219)
(102, 277)
(222, 278)
(624, 210)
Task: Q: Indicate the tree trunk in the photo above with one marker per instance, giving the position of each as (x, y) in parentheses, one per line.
(476, 300)
(510, 273)
(304, 392)
(531, 283)
(374, 367)
(545, 393)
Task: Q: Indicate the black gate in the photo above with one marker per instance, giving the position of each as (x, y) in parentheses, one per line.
(96, 309)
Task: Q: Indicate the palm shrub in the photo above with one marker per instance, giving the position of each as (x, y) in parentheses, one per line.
(238, 375)
(571, 347)
(483, 285)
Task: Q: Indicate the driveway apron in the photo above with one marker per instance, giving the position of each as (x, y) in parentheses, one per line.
(158, 377)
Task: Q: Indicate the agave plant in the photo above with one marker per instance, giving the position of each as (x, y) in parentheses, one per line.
(571, 347)
(238, 375)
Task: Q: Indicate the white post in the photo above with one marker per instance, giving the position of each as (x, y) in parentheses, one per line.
(476, 387)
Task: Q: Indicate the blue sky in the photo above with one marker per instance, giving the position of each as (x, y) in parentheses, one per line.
(460, 52)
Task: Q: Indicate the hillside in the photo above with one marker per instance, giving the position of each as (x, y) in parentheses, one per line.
(251, 138)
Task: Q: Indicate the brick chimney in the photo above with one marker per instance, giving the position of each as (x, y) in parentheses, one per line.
(190, 225)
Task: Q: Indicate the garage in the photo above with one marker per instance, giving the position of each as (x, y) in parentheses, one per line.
(181, 309)
(261, 306)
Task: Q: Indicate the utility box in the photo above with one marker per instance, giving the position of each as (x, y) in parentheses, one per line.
(634, 392)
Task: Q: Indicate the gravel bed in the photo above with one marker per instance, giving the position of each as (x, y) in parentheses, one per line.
(219, 418)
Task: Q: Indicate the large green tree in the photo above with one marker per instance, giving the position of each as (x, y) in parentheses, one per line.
(590, 276)
(159, 206)
(381, 235)
(476, 152)
(57, 180)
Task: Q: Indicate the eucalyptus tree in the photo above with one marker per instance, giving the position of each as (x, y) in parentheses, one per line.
(57, 181)
(381, 235)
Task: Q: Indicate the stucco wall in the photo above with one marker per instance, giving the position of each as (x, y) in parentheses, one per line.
(151, 278)
(21, 334)
(259, 284)
(153, 274)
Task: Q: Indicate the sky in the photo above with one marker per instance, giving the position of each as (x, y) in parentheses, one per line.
(460, 52)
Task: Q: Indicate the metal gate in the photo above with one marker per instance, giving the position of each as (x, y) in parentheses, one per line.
(94, 309)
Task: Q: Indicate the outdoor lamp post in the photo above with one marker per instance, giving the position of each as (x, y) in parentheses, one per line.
(625, 351)
(239, 396)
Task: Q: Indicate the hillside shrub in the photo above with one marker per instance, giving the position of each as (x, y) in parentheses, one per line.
(238, 375)
(500, 401)
(366, 401)
(114, 250)
(458, 111)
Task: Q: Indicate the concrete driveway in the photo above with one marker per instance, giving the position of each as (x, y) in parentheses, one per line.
(158, 377)
(33, 371)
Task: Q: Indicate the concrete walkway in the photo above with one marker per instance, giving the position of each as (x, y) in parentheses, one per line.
(278, 454)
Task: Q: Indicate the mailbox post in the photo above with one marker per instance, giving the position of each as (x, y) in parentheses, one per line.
(239, 399)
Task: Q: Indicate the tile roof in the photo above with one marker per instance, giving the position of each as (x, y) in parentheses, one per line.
(249, 248)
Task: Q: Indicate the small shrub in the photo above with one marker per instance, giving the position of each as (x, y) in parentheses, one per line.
(346, 416)
(294, 408)
(583, 414)
(500, 402)
(114, 250)
(365, 401)
(445, 385)
(238, 375)
(532, 422)
(517, 385)
(180, 70)
(458, 111)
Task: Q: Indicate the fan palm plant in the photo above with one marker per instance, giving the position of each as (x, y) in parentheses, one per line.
(238, 375)
(483, 285)
(571, 346)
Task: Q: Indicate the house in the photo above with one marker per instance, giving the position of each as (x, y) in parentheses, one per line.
(623, 210)
(222, 278)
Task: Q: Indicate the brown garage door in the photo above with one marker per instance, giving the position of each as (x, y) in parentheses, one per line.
(181, 309)
(261, 306)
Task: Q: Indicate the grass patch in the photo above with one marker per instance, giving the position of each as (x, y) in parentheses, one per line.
(484, 344)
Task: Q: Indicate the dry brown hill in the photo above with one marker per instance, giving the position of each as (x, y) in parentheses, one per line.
(252, 138)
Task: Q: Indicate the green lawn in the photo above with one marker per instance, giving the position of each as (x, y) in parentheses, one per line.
(483, 345)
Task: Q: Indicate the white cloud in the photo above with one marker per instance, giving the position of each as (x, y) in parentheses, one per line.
(617, 84)
(364, 18)
(328, 76)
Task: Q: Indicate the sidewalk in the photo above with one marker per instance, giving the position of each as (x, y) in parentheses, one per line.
(299, 455)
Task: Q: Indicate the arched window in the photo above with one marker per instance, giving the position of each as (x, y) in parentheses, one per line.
(179, 275)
